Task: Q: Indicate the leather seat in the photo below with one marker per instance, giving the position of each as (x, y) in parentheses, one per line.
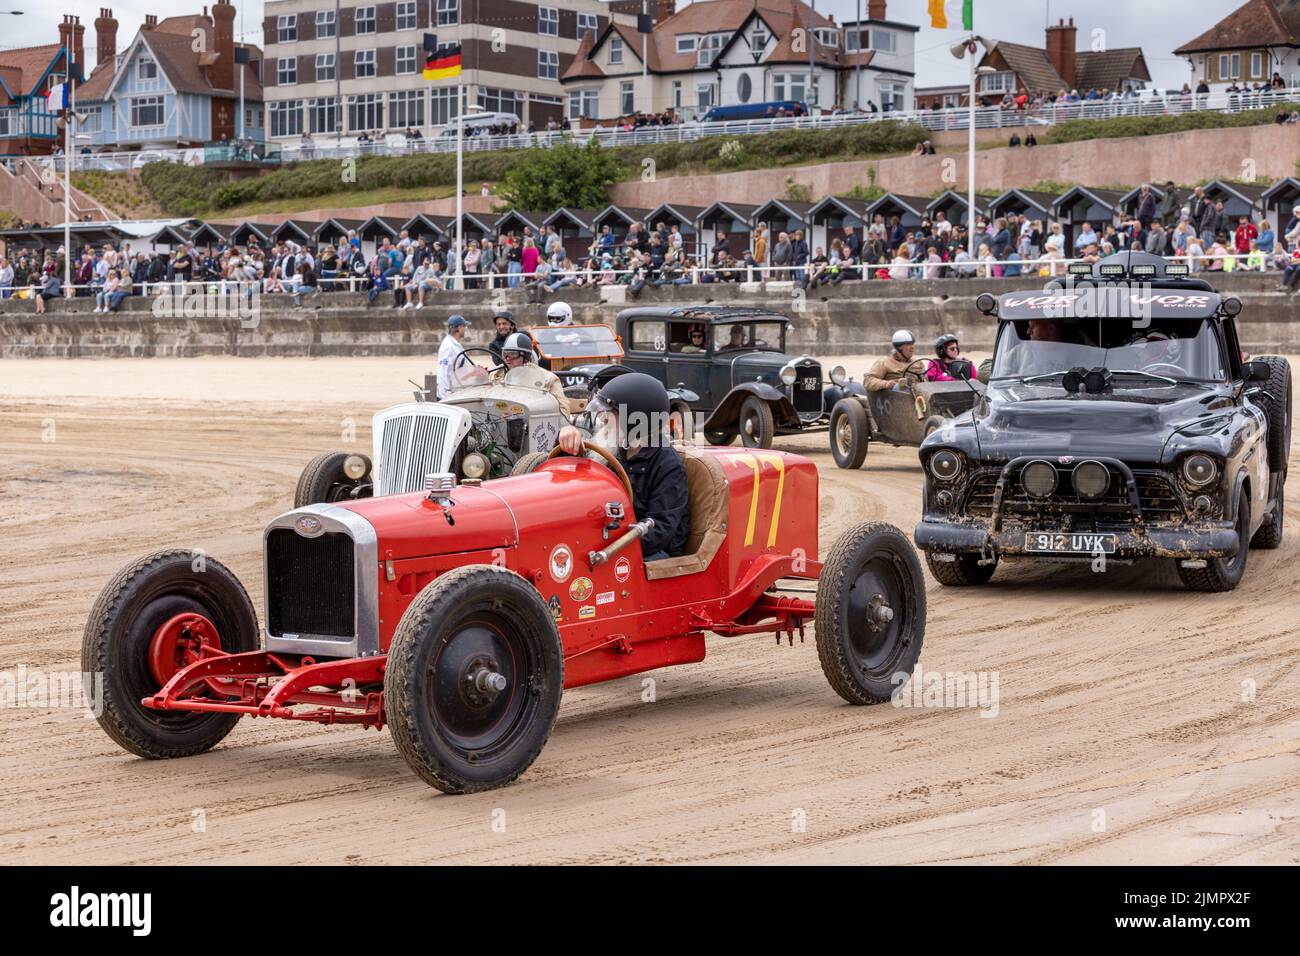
(709, 496)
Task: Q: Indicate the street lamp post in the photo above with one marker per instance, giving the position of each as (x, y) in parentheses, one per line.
(969, 48)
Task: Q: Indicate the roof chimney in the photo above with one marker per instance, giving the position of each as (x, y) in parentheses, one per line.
(223, 44)
(875, 9)
(79, 46)
(105, 36)
(1061, 41)
(150, 21)
(65, 32)
(663, 9)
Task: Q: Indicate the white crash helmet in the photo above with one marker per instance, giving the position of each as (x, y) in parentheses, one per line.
(902, 337)
(519, 342)
(559, 314)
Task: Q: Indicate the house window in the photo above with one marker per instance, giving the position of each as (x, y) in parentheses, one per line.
(448, 12)
(1257, 65)
(792, 86)
(587, 23)
(548, 65)
(891, 96)
(365, 111)
(1229, 66)
(147, 111)
(146, 69)
(884, 41)
(248, 117)
(364, 61)
(744, 88)
(704, 95)
(998, 83)
(286, 70)
(324, 67)
(548, 21)
(8, 122)
(687, 44)
(501, 101)
(326, 25)
(286, 117)
(626, 98)
(405, 60)
(677, 94)
(852, 39)
(709, 48)
(830, 38)
(286, 28)
(442, 108)
(615, 51)
(323, 114)
(406, 15)
(406, 108)
(584, 103)
(365, 20)
(758, 37)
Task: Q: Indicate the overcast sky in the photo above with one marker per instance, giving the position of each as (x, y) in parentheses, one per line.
(1156, 27)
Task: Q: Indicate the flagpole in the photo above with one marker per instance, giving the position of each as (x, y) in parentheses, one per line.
(457, 282)
(970, 171)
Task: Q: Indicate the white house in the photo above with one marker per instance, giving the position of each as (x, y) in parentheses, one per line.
(1251, 45)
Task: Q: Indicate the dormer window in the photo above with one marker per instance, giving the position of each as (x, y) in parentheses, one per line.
(146, 69)
(710, 46)
(687, 44)
(758, 37)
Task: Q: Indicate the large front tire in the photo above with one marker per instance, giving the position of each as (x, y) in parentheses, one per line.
(757, 424)
(870, 617)
(474, 678)
(965, 571)
(850, 433)
(1223, 574)
(325, 479)
(149, 621)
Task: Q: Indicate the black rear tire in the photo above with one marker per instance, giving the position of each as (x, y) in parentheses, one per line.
(719, 437)
(932, 424)
(870, 617)
(457, 735)
(682, 421)
(965, 572)
(127, 615)
(850, 433)
(1223, 574)
(757, 424)
(1277, 406)
(324, 481)
(528, 463)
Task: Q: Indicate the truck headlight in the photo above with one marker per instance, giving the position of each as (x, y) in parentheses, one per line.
(1200, 469)
(1091, 479)
(945, 465)
(839, 376)
(475, 465)
(1038, 478)
(355, 467)
(789, 375)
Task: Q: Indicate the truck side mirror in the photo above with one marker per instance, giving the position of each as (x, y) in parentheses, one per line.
(1257, 371)
(962, 368)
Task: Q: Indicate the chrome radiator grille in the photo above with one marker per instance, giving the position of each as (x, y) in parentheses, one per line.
(411, 446)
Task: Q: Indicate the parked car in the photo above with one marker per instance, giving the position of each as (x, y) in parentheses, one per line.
(731, 369)
(1120, 422)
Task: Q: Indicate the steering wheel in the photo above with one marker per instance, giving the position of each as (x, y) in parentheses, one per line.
(610, 460)
(1177, 370)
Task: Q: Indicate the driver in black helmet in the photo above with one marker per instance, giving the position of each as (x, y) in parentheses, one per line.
(630, 416)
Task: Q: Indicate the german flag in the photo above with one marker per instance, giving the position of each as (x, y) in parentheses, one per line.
(443, 63)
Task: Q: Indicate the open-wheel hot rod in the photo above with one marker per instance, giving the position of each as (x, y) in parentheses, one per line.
(458, 616)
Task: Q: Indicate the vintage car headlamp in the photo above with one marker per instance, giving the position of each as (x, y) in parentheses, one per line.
(1199, 469)
(789, 375)
(355, 467)
(1091, 479)
(1038, 478)
(945, 465)
(838, 375)
(475, 465)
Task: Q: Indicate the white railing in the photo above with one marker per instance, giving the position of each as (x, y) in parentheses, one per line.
(991, 117)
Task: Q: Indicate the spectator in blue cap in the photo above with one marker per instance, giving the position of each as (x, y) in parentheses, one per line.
(450, 350)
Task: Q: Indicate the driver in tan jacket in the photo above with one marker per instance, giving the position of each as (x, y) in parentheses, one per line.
(516, 352)
(892, 371)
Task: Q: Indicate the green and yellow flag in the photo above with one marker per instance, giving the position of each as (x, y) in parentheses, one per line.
(939, 16)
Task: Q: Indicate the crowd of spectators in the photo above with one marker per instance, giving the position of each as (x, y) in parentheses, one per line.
(408, 271)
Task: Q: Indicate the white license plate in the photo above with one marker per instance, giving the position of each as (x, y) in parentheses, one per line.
(809, 384)
(1053, 542)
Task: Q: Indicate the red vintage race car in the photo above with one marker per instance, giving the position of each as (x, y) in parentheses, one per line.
(457, 617)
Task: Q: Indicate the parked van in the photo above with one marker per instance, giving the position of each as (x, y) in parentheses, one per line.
(753, 111)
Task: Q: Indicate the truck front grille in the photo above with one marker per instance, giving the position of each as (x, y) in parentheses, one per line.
(1160, 501)
(807, 389)
(311, 584)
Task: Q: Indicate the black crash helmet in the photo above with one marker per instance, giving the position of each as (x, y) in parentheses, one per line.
(942, 343)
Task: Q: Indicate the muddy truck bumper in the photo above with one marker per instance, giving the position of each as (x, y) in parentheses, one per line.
(1183, 542)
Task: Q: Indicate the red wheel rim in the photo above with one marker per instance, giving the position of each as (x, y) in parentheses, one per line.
(180, 642)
